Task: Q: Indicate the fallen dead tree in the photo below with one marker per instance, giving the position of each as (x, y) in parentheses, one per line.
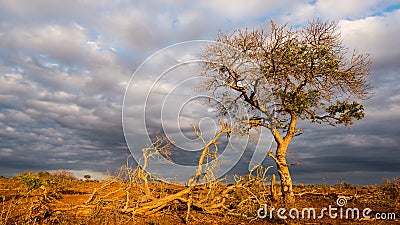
(142, 197)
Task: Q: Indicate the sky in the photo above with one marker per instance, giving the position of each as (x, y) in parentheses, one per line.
(65, 67)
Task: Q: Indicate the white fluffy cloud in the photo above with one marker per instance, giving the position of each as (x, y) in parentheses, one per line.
(379, 35)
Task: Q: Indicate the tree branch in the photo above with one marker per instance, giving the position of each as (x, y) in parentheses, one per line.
(277, 136)
(292, 127)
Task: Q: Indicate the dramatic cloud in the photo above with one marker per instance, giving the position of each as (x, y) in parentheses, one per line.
(64, 67)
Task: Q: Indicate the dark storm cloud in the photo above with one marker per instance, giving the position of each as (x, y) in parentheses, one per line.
(64, 67)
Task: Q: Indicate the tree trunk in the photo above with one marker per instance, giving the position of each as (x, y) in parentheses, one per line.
(286, 183)
(284, 175)
(280, 160)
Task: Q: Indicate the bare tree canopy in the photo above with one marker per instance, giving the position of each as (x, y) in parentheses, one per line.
(284, 75)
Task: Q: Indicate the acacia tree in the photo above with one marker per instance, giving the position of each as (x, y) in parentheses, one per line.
(285, 75)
